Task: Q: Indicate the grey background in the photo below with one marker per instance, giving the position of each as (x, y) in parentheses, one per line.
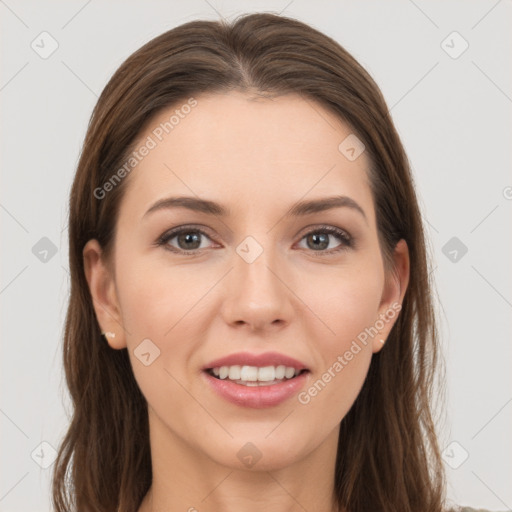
(453, 115)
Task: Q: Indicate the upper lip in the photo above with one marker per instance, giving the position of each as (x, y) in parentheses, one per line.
(260, 360)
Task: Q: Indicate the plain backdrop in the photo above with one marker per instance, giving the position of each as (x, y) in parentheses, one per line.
(443, 70)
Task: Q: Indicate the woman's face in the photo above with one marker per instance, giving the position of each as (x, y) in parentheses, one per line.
(267, 282)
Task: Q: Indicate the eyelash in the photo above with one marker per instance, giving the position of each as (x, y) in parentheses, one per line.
(345, 238)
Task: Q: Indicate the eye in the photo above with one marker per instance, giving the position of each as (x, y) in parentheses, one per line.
(318, 239)
(188, 240)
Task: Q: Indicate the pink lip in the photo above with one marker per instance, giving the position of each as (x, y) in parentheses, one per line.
(261, 360)
(257, 397)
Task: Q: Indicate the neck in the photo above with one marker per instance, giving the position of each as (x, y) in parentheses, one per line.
(185, 480)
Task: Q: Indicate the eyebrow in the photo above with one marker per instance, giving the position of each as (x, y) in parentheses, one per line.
(299, 209)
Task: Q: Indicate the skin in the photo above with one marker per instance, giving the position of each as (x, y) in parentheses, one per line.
(257, 157)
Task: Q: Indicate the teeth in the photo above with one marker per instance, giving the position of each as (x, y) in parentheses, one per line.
(234, 372)
(289, 372)
(280, 371)
(254, 374)
(268, 373)
(249, 373)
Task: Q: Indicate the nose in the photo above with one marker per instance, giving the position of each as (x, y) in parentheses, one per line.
(258, 294)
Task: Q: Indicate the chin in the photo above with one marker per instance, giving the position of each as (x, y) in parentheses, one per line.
(257, 453)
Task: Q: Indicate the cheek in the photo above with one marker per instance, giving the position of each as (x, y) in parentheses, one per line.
(347, 304)
(153, 309)
(344, 354)
(154, 296)
(164, 304)
(154, 306)
(345, 300)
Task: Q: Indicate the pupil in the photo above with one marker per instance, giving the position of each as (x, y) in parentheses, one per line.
(323, 243)
(188, 238)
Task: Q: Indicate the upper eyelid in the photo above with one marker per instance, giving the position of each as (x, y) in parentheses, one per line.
(171, 233)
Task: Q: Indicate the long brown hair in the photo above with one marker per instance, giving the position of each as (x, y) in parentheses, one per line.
(388, 456)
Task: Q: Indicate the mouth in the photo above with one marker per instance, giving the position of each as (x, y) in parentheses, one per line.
(254, 376)
(257, 381)
(256, 387)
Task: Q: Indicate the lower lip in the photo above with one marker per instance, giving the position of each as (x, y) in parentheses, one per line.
(257, 397)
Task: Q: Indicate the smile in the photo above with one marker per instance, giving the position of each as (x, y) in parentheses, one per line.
(254, 375)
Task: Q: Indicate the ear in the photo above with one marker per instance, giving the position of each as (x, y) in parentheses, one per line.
(103, 292)
(396, 282)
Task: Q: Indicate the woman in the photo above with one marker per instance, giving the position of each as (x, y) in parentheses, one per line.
(250, 323)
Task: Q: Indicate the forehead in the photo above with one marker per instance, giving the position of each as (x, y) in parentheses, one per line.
(248, 149)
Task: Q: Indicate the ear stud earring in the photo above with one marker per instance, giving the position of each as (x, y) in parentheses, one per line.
(107, 334)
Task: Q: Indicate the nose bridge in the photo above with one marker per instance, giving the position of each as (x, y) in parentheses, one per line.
(258, 295)
(253, 265)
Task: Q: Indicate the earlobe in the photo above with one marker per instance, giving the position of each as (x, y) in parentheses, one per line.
(396, 283)
(102, 288)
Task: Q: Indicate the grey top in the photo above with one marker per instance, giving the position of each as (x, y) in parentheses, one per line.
(469, 509)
